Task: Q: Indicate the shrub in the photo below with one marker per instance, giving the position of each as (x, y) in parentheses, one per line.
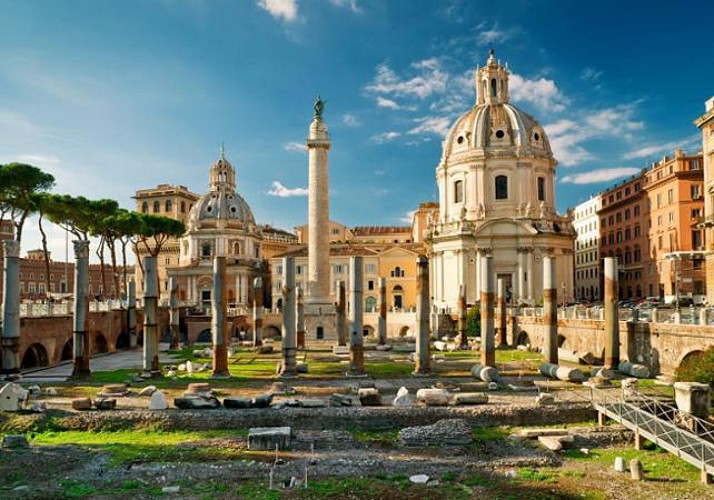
(473, 322)
(697, 368)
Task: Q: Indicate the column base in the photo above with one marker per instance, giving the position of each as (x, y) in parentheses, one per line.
(220, 375)
(356, 374)
(421, 374)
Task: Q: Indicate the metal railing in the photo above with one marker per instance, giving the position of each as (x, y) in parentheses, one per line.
(681, 433)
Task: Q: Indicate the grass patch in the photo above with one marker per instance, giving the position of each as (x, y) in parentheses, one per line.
(537, 475)
(366, 437)
(485, 434)
(77, 489)
(148, 446)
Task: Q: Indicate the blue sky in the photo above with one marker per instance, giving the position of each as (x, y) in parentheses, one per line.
(111, 97)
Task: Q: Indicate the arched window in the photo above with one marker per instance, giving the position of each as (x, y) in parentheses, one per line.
(168, 206)
(458, 192)
(541, 188)
(157, 207)
(397, 272)
(501, 187)
(183, 207)
(370, 304)
(493, 87)
(236, 248)
(145, 207)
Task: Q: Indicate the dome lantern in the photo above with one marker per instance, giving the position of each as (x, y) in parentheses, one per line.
(492, 82)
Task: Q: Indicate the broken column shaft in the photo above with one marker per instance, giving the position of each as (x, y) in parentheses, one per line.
(11, 312)
(501, 307)
(151, 309)
(300, 318)
(356, 335)
(257, 311)
(550, 311)
(488, 336)
(463, 319)
(341, 314)
(612, 327)
(131, 314)
(382, 320)
(80, 367)
(174, 312)
(289, 368)
(218, 319)
(422, 341)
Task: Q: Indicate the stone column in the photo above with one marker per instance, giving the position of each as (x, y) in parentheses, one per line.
(488, 336)
(478, 274)
(382, 320)
(218, 319)
(513, 325)
(341, 316)
(529, 275)
(80, 367)
(131, 314)
(693, 398)
(300, 319)
(612, 325)
(11, 311)
(550, 311)
(520, 295)
(289, 368)
(174, 312)
(501, 307)
(462, 325)
(151, 309)
(356, 326)
(257, 311)
(423, 355)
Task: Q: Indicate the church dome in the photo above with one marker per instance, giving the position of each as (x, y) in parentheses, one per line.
(222, 202)
(494, 127)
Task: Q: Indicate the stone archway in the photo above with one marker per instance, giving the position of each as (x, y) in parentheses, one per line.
(368, 331)
(689, 358)
(271, 332)
(35, 357)
(523, 339)
(122, 341)
(204, 337)
(67, 350)
(561, 341)
(99, 343)
(404, 331)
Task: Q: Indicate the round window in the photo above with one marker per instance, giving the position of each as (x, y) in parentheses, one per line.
(460, 140)
(536, 136)
(233, 209)
(500, 134)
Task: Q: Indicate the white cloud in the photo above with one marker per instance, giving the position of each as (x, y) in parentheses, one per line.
(385, 137)
(428, 80)
(285, 9)
(600, 175)
(438, 125)
(294, 146)
(383, 102)
(379, 173)
(616, 120)
(494, 35)
(667, 147)
(408, 218)
(35, 159)
(542, 93)
(352, 4)
(590, 74)
(277, 189)
(350, 120)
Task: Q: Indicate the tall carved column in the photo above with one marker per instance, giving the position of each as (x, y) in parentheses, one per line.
(289, 341)
(257, 311)
(131, 314)
(550, 310)
(218, 319)
(356, 326)
(488, 336)
(151, 310)
(80, 367)
(174, 312)
(382, 320)
(11, 311)
(612, 325)
(423, 341)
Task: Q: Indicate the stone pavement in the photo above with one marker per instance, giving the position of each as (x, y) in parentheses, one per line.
(104, 362)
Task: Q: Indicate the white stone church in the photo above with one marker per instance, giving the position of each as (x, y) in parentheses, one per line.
(496, 182)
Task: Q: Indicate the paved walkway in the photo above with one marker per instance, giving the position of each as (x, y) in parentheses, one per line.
(120, 360)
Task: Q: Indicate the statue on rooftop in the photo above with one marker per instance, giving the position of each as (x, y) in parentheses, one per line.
(319, 107)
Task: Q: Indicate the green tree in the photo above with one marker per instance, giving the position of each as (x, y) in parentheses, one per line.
(473, 321)
(19, 183)
(697, 368)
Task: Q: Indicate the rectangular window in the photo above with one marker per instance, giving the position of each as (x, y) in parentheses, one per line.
(618, 217)
(670, 196)
(696, 213)
(659, 221)
(696, 239)
(637, 231)
(541, 188)
(298, 269)
(696, 191)
(637, 210)
(671, 217)
(370, 285)
(659, 200)
(459, 191)
(370, 268)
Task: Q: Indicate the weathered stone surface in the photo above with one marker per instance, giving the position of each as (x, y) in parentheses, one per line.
(277, 388)
(584, 358)
(634, 369)
(629, 388)
(263, 400)
(447, 432)
(535, 433)
(301, 367)
(419, 479)
(620, 464)
(115, 390)
(637, 472)
(341, 350)
(196, 403)
(15, 441)
(597, 383)
(105, 403)
(237, 402)
(341, 400)
(309, 403)
(269, 438)
(158, 401)
(544, 398)
(369, 396)
(550, 442)
(403, 398)
(485, 373)
(189, 366)
(693, 397)
(433, 397)
(561, 372)
(51, 391)
(82, 404)
(35, 391)
(385, 347)
(12, 397)
(604, 373)
(148, 390)
(470, 398)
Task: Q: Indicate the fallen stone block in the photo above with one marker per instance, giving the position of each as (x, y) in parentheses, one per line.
(369, 397)
(105, 403)
(403, 398)
(199, 388)
(383, 347)
(550, 443)
(433, 397)
(114, 390)
(535, 433)
(82, 404)
(38, 407)
(158, 401)
(148, 390)
(597, 383)
(604, 373)
(544, 399)
(269, 438)
(309, 403)
(634, 369)
(561, 372)
(15, 441)
(341, 400)
(35, 391)
(470, 398)
(12, 397)
(51, 391)
(196, 403)
(485, 373)
(262, 401)
(341, 350)
(637, 472)
(419, 479)
(237, 403)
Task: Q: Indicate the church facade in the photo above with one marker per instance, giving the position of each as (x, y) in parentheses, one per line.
(496, 181)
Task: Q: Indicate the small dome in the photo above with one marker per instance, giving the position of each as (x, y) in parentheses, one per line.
(222, 202)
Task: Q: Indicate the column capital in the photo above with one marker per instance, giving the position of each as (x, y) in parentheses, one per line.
(81, 249)
(11, 248)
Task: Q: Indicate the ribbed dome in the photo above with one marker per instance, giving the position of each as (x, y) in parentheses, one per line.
(221, 202)
(494, 127)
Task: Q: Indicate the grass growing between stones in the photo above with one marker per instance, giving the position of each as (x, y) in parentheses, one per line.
(148, 446)
(369, 437)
